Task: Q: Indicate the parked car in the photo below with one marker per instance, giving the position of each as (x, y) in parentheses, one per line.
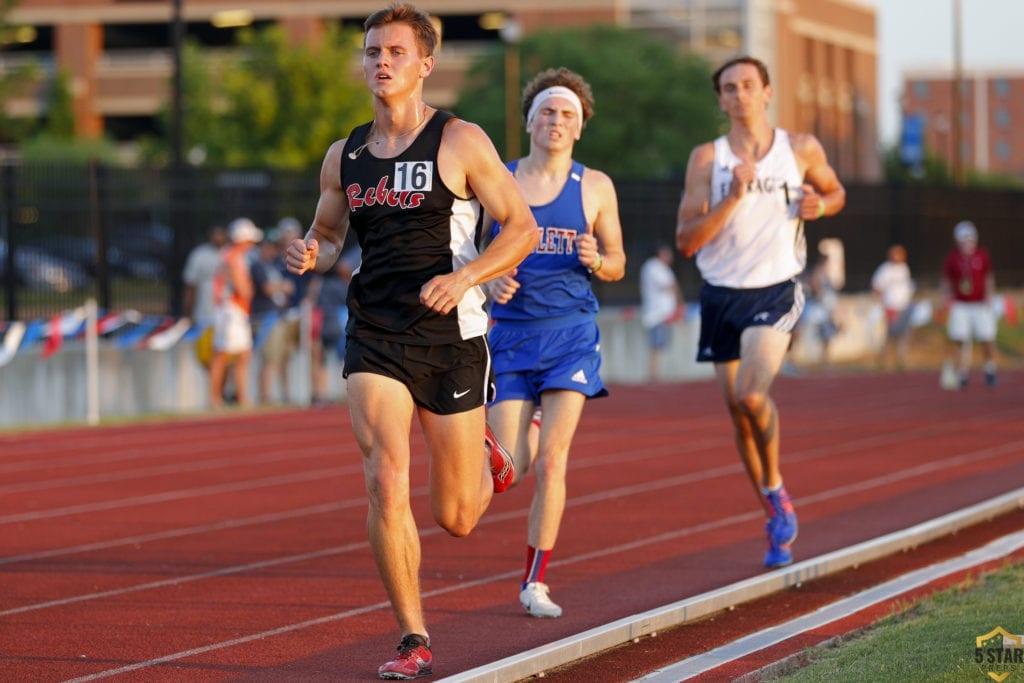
(134, 249)
(143, 249)
(35, 267)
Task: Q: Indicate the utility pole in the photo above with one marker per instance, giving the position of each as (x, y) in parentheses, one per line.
(177, 175)
(177, 96)
(958, 126)
(511, 33)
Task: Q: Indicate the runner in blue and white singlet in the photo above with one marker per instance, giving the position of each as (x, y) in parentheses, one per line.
(545, 341)
(554, 285)
(546, 336)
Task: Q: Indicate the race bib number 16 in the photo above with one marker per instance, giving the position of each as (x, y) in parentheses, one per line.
(414, 176)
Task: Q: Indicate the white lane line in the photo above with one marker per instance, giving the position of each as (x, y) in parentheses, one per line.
(195, 466)
(286, 629)
(270, 517)
(94, 449)
(748, 645)
(797, 456)
(533, 662)
(595, 498)
(593, 641)
(168, 496)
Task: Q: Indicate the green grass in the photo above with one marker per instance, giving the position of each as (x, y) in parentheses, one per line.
(1010, 340)
(930, 640)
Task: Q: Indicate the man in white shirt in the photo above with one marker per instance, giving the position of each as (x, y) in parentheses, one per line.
(894, 289)
(660, 301)
(200, 266)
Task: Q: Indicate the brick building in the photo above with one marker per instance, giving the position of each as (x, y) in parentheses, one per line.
(118, 53)
(991, 139)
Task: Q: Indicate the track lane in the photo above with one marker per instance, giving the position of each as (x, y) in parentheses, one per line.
(659, 508)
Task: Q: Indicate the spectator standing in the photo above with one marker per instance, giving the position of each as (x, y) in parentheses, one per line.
(331, 294)
(232, 335)
(824, 280)
(271, 294)
(893, 287)
(968, 286)
(200, 267)
(285, 336)
(660, 304)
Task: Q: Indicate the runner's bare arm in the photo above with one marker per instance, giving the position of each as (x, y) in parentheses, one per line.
(823, 194)
(470, 166)
(608, 262)
(326, 236)
(697, 223)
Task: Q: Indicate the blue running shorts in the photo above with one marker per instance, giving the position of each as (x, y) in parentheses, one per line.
(529, 360)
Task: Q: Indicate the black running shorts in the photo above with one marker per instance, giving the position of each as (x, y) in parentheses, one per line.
(443, 378)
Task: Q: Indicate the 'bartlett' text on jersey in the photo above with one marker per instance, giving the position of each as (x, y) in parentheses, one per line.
(553, 282)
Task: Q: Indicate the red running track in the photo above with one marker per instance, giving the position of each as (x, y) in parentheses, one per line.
(234, 548)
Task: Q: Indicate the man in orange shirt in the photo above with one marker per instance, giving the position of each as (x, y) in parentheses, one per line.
(232, 333)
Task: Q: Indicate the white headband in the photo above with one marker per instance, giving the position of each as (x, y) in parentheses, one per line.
(555, 91)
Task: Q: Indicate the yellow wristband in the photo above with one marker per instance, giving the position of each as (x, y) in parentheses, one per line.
(600, 262)
(821, 207)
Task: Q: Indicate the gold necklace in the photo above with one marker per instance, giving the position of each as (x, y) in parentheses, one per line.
(420, 120)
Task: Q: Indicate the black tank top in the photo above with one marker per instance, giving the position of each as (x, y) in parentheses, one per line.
(410, 227)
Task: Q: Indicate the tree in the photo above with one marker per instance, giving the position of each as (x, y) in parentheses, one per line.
(934, 170)
(653, 104)
(13, 81)
(54, 141)
(276, 104)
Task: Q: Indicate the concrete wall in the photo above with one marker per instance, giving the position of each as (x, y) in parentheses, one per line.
(37, 392)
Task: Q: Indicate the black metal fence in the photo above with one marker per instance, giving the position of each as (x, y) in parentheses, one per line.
(122, 235)
(68, 233)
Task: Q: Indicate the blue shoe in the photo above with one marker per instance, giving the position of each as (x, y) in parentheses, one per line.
(781, 528)
(782, 525)
(778, 556)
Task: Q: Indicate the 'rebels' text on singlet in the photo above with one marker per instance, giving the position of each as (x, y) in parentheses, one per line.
(762, 242)
(410, 228)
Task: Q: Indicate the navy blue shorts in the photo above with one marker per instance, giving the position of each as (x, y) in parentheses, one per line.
(443, 378)
(528, 361)
(726, 312)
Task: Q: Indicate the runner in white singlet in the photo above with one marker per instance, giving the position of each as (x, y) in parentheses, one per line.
(747, 197)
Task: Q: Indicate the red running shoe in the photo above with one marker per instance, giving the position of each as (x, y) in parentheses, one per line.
(413, 659)
(503, 469)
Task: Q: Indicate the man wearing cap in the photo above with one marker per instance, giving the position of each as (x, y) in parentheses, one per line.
(967, 287)
(232, 334)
